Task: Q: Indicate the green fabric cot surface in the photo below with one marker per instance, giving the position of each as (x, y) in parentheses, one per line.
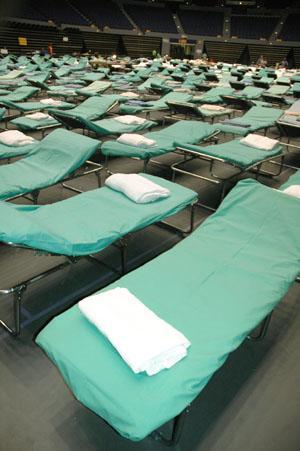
(94, 89)
(11, 75)
(295, 78)
(214, 95)
(114, 127)
(257, 117)
(230, 274)
(157, 104)
(87, 223)
(16, 151)
(235, 152)
(296, 87)
(55, 157)
(92, 108)
(277, 90)
(147, 84)
(185, 131)
(26, 124)
(292, 180)
(20, 94)
(210, 113)
(93, 76)
(284, 80)
(250, 93)
(26, 107)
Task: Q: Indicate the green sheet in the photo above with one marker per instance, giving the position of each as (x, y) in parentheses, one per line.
(277, 90)
(230, 273)
(209, 113)
(296, 88)
(93, 76)
(157, 104)
(186, 131)
(92, 108)
(235, 153)
(55, 157)
(94, 89)
(87, 223)
(19, 94)
(250, 93)
(11, 75)
(26, 124)
(257, 117)
(15, 151)
(113, 127)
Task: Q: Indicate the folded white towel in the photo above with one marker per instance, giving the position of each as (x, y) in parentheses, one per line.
(38, 116)
(137, 188)
(144, 341)
(15, 138)
(130, 120)
(259, 142)
(51, 102)
(129, 94)
(133, 139)
(293, 190)
(213, 107)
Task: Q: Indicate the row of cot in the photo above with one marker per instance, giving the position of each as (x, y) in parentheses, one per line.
(246, 232)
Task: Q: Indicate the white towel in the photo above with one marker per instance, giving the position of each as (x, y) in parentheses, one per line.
(144, 341)
(293, 190)
(213, 107)
(133, 139)
(38, 116)
(129, 94)
(130, 120)
(51, 102)
(137, 188)
(259, 142)
(15, 138)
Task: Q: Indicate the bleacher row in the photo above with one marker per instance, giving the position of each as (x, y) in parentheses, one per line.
(155, 18)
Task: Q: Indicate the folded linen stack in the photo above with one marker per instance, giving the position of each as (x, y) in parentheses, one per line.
(137, 188)
(133, 139)
(38, 116)
(144, 341)
(213, 107)
(15, 138)
(131, 95)
(259, 142)
(130, 120)
(51, 102)
(293, 190)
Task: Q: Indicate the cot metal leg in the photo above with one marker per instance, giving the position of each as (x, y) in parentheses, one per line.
(178, 424)
(262, 330)
(123, 244)
(182, 231)
(145, 165)
(17, 294)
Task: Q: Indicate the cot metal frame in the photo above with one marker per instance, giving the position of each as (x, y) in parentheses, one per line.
(70, 122)
(18, 290)
(216, 179)
(34, 194)
(146, 161)
(179, 111)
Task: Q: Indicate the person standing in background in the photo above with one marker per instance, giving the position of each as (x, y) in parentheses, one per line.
(50, 49)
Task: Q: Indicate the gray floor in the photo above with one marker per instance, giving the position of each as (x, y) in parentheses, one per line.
(251, 403)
